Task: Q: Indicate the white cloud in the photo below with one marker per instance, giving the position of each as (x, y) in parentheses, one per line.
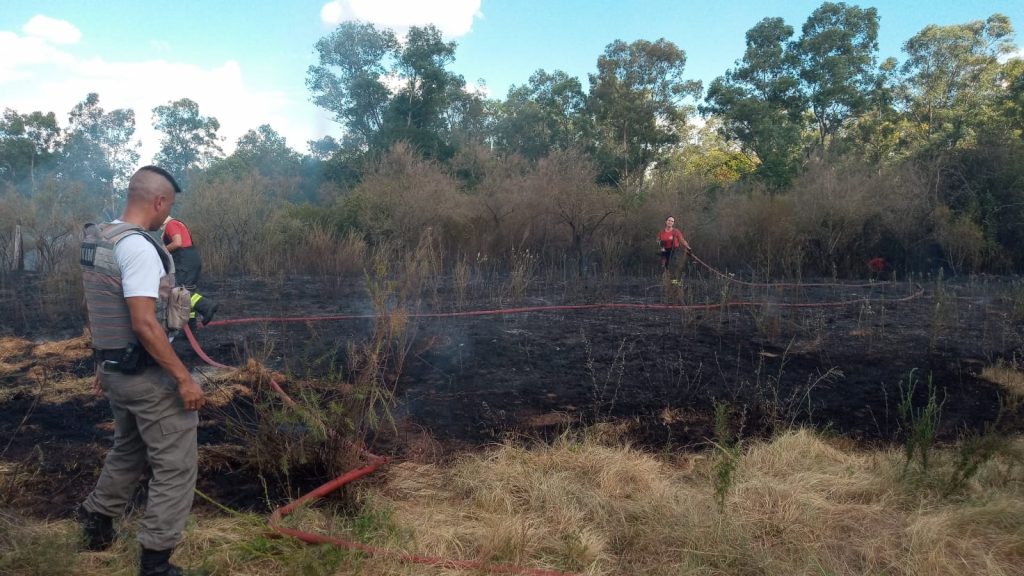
(25, 51)
(35, 75)
(453, 18)
(52, 30)
(1015, 55)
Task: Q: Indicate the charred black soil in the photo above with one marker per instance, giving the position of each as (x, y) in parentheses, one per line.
(777, 356)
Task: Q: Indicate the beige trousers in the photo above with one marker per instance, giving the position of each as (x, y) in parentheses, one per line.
(150, 425)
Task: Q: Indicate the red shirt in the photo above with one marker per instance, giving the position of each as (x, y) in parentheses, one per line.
(670, 238)
(876, 264)
(175, 227)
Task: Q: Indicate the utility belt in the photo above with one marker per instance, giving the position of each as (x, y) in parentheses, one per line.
(131, 359)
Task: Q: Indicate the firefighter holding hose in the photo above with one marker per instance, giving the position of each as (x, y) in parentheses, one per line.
(187, 267)
(670, 239)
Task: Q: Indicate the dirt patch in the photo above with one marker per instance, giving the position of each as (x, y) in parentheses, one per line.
(837, 358)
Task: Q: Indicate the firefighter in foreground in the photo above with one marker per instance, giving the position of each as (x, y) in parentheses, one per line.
(128, 278)
(187, 267)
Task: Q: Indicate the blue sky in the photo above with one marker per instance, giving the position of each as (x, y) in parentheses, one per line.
(245, 62)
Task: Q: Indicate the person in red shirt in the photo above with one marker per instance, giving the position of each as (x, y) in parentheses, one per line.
(670, 239)
(187, 267)
(877, 266)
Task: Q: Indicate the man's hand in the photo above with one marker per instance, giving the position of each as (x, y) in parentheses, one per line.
(191, 394)
(143, 314)
(96, 388)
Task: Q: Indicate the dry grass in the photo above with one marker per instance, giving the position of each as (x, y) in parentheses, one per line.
(47, 368)
(800, 504)
(1009, 376)
(14, 354)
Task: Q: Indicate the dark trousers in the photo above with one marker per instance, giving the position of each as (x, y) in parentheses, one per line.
(187, 267)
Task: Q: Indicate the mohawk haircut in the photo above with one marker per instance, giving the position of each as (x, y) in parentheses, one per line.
(167, 176)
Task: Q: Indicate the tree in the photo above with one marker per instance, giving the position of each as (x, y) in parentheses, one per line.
(952, 74)
(99, 151)
(880, 135)
(468, 118)
(637, 100)
(324, 148)
(27, 141)
(564, 185)
(837, 56)
(711, 158)
(349, 80)
(267, 152)
(416, 112)
(384, 92)
(190, 141)
(760, 104)
(1011, 102)
(546, 114)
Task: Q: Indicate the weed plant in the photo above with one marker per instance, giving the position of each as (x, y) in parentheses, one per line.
(727, 455)
(605, 382)
(920, 424)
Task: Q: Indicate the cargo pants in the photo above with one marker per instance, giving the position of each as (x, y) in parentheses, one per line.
(150, 425)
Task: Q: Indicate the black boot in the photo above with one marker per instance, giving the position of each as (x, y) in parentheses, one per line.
(98, 529)
(207, 308)
(157, 563)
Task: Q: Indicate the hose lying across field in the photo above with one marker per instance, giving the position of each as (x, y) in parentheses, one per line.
(375, 461)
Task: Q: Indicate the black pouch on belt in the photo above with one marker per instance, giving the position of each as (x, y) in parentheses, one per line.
(134, 360)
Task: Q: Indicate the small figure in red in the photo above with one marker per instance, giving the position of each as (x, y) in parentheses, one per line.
(670, 239)
(877, 265)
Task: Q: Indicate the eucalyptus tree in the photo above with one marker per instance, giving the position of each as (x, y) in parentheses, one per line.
(637, 98)
(836, 53)
(384, 91)
(953, 75)
(547, 113)
(759, 102)
(99, 150)
(28, 142)
(1011, 103)
(267, 152)
(349, 81)
(190, 140)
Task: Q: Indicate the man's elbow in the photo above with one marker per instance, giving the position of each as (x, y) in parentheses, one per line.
(140, 328)
(144, 325)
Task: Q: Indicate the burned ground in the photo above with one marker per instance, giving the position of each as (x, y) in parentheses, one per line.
(793, 357)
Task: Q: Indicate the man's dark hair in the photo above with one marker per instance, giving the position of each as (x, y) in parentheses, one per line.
(167, 176)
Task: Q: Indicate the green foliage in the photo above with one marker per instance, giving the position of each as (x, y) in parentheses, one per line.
(190, 140)
(28, 144)
(544, 115)
(98, 152)
(33, 552)
(428, 106)
(836, 51)
(637, 98)
(727, 455)
(952, 75)
(920, 423)
(760, 104)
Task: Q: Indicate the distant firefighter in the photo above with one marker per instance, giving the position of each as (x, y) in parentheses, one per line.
(670, 239)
